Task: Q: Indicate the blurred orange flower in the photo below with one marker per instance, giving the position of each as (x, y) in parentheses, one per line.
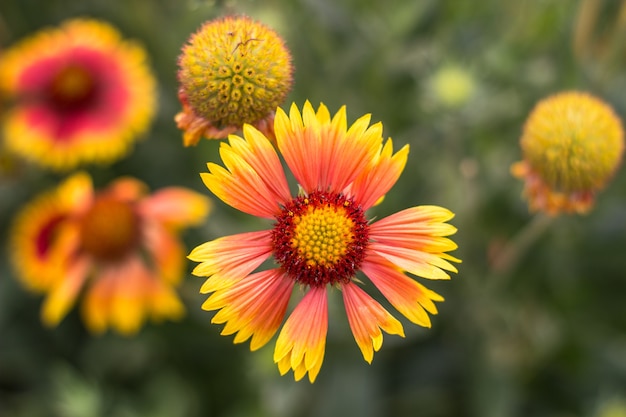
(118, 245)
(81, 94)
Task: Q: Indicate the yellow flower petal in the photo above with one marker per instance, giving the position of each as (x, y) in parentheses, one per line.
(408, 296)
(176, 206)
(367, 317)
(322, 156)
(63, 296)
(372, 184)
(252, 307)
(302, 340)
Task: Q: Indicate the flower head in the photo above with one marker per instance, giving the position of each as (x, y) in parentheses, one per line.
(232, 71)
(572, 145)
(320, 238)
(81, 93)
(63, 243)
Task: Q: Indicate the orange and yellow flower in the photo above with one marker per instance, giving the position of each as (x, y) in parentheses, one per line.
(572, 145)
(320, 238)
(81, 95)
(118, 246)
(232, 71)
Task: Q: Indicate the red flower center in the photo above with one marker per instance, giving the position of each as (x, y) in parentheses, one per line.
(110, 229)
(320, 239)
(71, 88)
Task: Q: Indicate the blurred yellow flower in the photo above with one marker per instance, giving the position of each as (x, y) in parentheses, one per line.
(81, 95)
(118, 245)
(232, 71)
(572, 144)
(612, 407)
(452, 86)
(320, 238)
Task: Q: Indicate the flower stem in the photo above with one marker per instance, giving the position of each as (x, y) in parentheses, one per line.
(516, 248)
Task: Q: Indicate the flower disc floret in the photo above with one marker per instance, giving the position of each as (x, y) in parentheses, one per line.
(320, 239)
(110, 229)
(71, 88)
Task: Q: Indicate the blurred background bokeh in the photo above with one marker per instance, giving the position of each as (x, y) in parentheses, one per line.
(455, 79)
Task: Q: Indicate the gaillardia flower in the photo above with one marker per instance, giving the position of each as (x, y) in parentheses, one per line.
(320, 238)
(572, 144)
(118, 246)
(81, 95)
(232, 71)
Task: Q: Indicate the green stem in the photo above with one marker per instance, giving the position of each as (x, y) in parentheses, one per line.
(508, 258)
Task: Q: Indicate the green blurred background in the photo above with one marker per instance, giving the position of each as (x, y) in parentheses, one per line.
(455, 79)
